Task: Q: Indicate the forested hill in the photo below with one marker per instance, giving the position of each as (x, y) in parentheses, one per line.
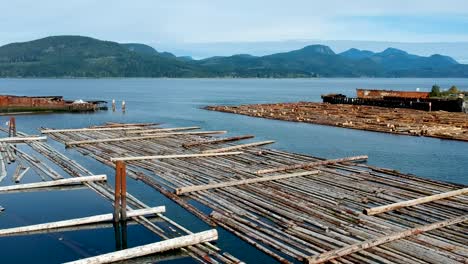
(76, 56)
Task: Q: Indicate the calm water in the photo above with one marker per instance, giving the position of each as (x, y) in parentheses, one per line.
(177, 102)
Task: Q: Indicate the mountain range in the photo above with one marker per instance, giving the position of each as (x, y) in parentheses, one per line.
(77, 56)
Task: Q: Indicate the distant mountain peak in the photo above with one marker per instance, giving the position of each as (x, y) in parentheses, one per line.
(357, 54)
(322, 49)
(393, 51)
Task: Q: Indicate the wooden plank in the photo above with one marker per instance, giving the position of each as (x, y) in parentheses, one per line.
(163, 130)
(186, 133)
(165, 245)
(78, 221)
(4, 189)
(48, 131)
(22, 139)
(199, 155)
(248, 145)
(330, 255)
(197, 188)
(142, 137)
(216, 141)
(311, 164)
(426, 199)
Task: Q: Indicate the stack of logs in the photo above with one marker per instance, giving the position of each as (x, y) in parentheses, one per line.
(403, 121)
(292, 207)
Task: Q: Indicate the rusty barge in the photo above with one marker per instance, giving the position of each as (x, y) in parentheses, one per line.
(13, 104)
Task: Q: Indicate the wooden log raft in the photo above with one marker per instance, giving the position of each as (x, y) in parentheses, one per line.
(142, 137)
(49, 131)
(394, 206)
(330, 255)
(165, 245)
(196, 188)
(4, 189)
(162, 130)
(197, 155)
(248, 145)
(311, 164)
(216, 141)
(78, 221)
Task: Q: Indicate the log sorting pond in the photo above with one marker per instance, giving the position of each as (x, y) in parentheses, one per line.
(313, 215)
(438, 124)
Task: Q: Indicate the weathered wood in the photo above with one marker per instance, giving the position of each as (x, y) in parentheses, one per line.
(153, 248)
(431, 198)
(78, 221)
(143, 137)
(4, 189)
(186, 133)
(81, 130)
(248, 145)
(327, 256)
(311, 164)
(216, 141)
(22, 139)
(197, 155)
(196, 188)
(163, 130)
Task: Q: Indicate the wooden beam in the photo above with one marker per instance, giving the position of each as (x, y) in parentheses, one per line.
(197, 188)
(48, 131)
(337, 253)
(186, 133)
(310, 164)
(163, 130)
(200, 155)
(426, 199)
(126, 125)
(142, 137)
(216, 141)
(78, 221)
(4, 189)
(248, 145)
(21, 139)
(165, 245)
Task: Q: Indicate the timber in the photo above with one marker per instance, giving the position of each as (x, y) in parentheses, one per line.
(197, 188)
(21, 139)
(242, 146)
(384, 239)
(163, 130)
(197, 155)
(427, 199)
(143, 137)
(78, 221)
(311, 164)
(216, 141)
(48, 131)
(153, 248)
(4, 189)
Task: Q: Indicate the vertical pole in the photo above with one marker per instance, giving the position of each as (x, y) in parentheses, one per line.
(12, 127)
(123, 197)
(117, 193)
(113, 105)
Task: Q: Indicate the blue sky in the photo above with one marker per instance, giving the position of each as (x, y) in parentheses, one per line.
(186, 23)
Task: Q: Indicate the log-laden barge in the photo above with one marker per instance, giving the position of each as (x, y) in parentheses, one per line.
(15, 104)
(293, 207)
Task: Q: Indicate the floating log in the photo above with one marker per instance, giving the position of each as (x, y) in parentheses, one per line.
(197, 188)
(431, 198)
(216, 141)
(248, 145)
(49, 131)
(311, 164)
(20, 172)
(153, 248)
(4, 189)
(186, 133)
(199, 155)
(3, 170)
(78, 221)
(163, 130)
(22, 139)
(110, 124)
(160, 135)
(382, 240)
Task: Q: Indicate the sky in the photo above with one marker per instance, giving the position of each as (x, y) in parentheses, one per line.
(188, 24)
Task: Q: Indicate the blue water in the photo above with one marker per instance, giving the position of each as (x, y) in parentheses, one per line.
(177, 102)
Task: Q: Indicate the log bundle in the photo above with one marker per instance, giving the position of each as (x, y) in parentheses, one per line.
(438, 124)
(308, 210)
